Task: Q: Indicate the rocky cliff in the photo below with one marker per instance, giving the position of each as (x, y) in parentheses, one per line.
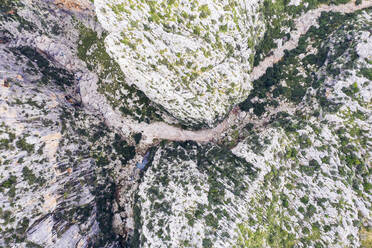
(99, 102)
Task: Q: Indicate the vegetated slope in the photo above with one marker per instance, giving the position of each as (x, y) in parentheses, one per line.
(302, 179)
(57, 160)
(301, 156)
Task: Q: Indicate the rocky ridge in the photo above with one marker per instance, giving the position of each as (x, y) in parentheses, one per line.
(288, 164)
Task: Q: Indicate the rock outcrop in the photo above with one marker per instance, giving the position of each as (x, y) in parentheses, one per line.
(191, 57)
(98, 101)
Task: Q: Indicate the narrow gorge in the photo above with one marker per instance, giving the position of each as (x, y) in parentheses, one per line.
(184, 123)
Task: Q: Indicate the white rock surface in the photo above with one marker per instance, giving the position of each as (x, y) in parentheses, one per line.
(191, 57)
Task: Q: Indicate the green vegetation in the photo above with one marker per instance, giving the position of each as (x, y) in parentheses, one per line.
(137, 137)
(225, 172)
(366, 237)
(51, 73)
(287, 68)
(29, 176)
(122, 148)
(104, 194)
(112, 80)
(23, 225)
(211, 221)
(9, 13)
(367, 72)
(11, 181)
(278, 14)
(351, 90)
(207, 243)
(23, 145)
(6, 144)
(184, 70)
(6, 216)
(275, 18)
(270, 220)
(270, 232)
(204, 11)
(95, 140)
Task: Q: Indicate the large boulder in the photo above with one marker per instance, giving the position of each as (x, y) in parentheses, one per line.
(191, 57)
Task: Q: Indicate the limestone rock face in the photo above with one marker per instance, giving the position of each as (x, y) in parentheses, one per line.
(87, 160)
(51, 193)
(301, 179)
(191, 57)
